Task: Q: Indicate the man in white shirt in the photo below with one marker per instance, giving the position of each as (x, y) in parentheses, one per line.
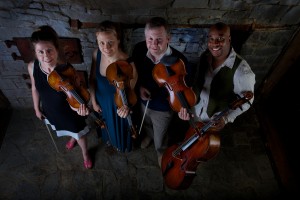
(221, 75)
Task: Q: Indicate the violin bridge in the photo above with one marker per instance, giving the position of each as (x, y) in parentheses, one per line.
(119, 84)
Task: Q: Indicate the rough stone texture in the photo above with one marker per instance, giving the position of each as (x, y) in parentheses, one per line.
(270, 36)
(30, 167)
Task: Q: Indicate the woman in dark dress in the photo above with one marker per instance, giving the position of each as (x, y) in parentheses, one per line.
(50, 104)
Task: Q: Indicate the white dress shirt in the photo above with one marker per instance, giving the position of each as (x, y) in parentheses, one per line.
(243, 80)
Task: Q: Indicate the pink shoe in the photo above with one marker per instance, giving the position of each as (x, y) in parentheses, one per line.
(71, 144)
(88, 164)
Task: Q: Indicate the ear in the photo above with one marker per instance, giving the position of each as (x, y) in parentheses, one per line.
(229, 38)
(169, 37)
(119, 44)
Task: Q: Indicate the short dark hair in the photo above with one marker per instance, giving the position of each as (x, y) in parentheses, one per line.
(45, 34)
(156, 22)
(221, 26)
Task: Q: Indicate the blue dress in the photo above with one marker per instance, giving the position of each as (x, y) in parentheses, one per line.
(118, 134)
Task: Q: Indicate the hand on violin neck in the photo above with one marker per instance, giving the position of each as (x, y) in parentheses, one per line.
(184, 114)
(83, 110)
(124, 111)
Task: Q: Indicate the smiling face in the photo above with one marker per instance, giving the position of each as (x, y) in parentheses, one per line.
(108, 43)
(219, 40)
(157, 40)
(46, 53)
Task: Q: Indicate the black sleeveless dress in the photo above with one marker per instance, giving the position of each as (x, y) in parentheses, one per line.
(56, 108)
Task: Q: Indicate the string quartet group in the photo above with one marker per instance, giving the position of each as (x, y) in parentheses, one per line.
(201, 141)
(112, 93)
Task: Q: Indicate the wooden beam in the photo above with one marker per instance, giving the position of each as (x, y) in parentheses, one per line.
(287, 58)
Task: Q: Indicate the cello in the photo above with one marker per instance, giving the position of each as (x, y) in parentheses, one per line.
(119, 74)
(180, 161)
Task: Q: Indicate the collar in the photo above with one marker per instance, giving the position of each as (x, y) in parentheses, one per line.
(167, 53)
(228, 62)
(230, 59)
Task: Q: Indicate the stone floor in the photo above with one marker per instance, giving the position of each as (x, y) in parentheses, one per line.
(31, 168)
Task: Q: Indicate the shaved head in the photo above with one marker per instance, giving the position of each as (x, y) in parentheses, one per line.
(220, 26)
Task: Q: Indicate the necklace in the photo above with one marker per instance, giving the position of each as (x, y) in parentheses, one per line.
(42, 69)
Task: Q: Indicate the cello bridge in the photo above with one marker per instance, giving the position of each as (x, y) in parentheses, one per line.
(200, 161)
(190, 172)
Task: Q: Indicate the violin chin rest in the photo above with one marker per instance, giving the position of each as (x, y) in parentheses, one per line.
(169, 60)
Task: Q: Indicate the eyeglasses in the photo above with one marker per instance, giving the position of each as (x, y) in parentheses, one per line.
(218, 39)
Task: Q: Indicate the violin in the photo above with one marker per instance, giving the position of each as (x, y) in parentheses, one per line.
(119, 74)
(180, 161)
(69, 82)
(172, 78)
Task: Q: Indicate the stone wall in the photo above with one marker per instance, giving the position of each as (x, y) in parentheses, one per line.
(271, 24)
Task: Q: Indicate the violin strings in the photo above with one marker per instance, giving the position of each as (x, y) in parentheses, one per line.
(77, 97)
(124, 99)
(123, 96)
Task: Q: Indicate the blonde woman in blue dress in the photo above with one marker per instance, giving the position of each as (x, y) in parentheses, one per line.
(109, 39)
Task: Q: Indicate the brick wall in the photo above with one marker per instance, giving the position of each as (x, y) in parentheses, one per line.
(269, 33)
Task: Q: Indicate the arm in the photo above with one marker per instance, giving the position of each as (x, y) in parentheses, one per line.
(244, 80)
(35, 93)
(92, 81)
